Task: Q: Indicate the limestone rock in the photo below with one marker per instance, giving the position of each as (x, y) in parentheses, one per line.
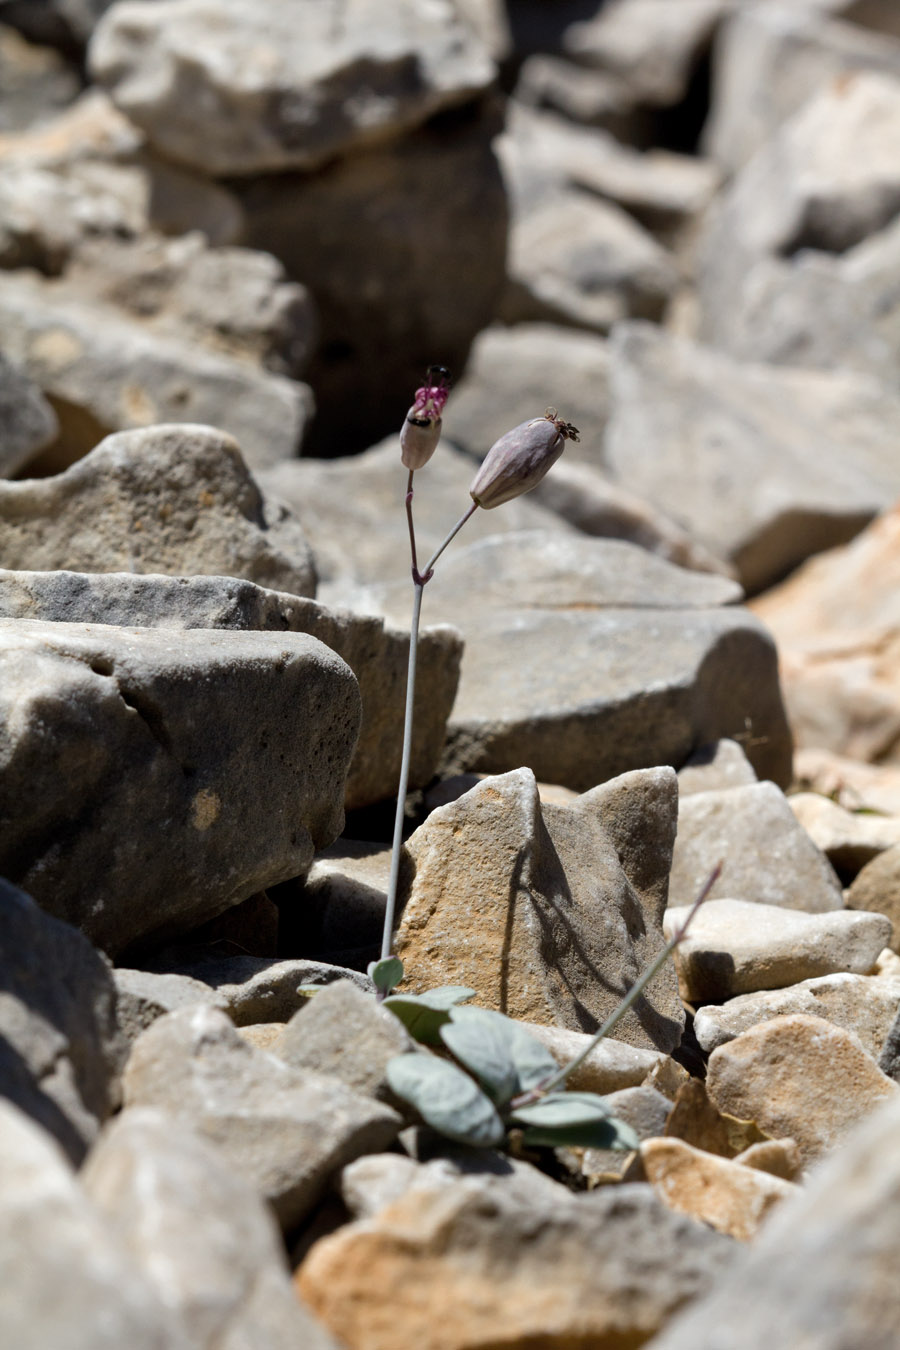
(731, 1198)
(174, 499)
(777, 1157)
(114, 719)
(60, 1047)
(837, 623)
(550, 913)
(612, 1066)
(766, 855)
(108, 371)
(800, 1077)
(144, 995)
(713, 767)
(646, 1110)
(376, 653)
(823, 1269)
(240, 88)
(67, 1283)
(848, 840)
(754, 461)
(498, 1270)
(738, 947)
(199, 1233)
(340, 905)
(852, 783)
(27, 422)
(283, 1130)
(863, 1004)
(345, 1033)
(877, 888)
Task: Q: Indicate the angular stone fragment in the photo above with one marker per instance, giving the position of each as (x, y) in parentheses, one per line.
(848, 839)
(823, 1271)
(67, 1283)
(731, 1198)
(800, 1077)
(27, 422)
(340, 905)
(863, 1004)
(646, 1111)
(199, 1233)
(376, 653)
(549, 913)
(466, 1266)
(877, 888)
(144, 995)
(766, 856)
(61, 1052)
(763, 465)
(697, 1121)
(778, 1157)
(738, 946)
(238, 88)
(174, 499)
(713, 767)
(284, 1130)
(345, 1033)
(233, 747)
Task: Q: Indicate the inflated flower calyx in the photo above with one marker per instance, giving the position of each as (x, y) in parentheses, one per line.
(421, 429)
(518, 461)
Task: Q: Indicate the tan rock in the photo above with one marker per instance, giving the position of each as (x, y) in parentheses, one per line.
(798, 1077)
(550, 913)
(878, 888)
(730, 1198)
(697, 1121)
(611, 1066)
(736, 947)
(851, 782)
(848, 839)
(779, 1157)
(720, 765)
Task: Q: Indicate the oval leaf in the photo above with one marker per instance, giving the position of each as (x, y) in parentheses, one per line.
(534, 1065)
(563, 1109)
(386, 974)
(446, 1098)
(423, 1015)
(447, 995)
(609, 1133)
(474, 1037)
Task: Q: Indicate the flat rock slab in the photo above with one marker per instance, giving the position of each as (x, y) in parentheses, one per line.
(863, 1004)
(466, 1266)
(67, 1282)
(244, 88)
(175, 499)
(376, 652)
(798, 1077)
(284, 1130)
(766, 856)
(731, 1198)
(823, 1271)
(61, 1052)
(549, 912)
(200, 1233)
(764, 465)
(738, 946)
(588, 657)
(149, 781)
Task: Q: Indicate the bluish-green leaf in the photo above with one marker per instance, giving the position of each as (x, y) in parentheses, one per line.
(563, 1109)
(609, 1133)
(386, 974)
(534, 1065)
(423, 1015)
(446, 1098)
(479, 1040)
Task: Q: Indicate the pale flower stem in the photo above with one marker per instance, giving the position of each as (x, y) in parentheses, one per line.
(419, 581)
(631, 997)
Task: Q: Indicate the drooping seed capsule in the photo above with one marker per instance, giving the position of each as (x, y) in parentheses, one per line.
(421, 429)
(518, 461)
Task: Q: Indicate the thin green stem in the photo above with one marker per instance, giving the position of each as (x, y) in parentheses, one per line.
(452, 535)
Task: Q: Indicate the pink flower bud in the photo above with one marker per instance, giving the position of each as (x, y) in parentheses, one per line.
(421, 430)
(518, 461)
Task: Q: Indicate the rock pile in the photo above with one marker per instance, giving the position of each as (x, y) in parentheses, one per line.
(232, 236)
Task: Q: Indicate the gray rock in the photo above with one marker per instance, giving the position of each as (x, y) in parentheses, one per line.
(242, 780)
(376, 653)
(171, 499)
(109, 371)
(506, 1269)
(763, 465)
(720, 765)
(60, 1047)
(592, 97)
(284, 1130)
(199, 1233)
(877, 888)
(341, 905)
(144, 995)
(646, 1110)
(67, 1283)
(345, 1033)
(35, 80)
(237, 88)
(738, 946)
(822, 1272)
(549, 913)
(766, 856)
(863, 1004)
(27, 422)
